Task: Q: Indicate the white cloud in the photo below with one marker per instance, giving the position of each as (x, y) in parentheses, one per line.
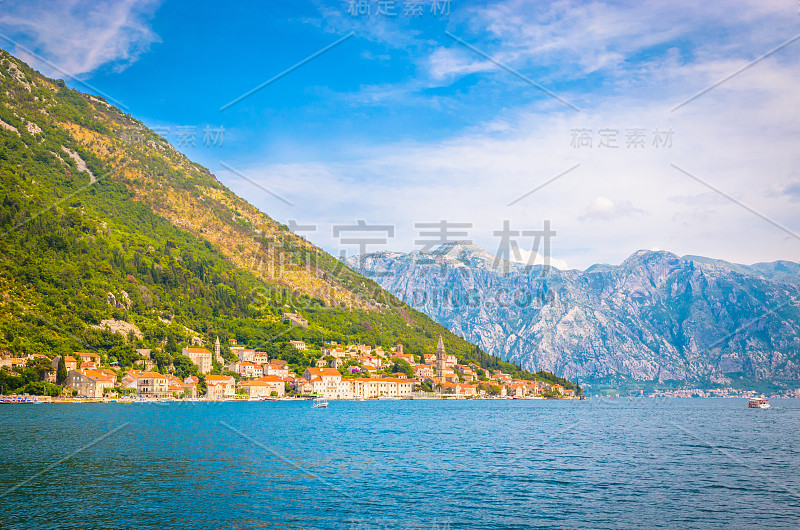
(538, 259)
(739, 138)
(582, 37)
(79, 37)
(605, 209)
(449, 62)
(789, 190)
(646, 58)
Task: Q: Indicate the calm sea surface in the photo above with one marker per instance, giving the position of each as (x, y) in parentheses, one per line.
(697, 463)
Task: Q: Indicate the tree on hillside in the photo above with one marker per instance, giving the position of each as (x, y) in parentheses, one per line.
(61, 374)
(401, 365)
(42, 388)
(184, 367)
(9, 381)
(162, 360)
(172, 344)
(38, 369)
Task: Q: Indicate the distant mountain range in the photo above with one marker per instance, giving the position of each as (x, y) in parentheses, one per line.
(655, 317)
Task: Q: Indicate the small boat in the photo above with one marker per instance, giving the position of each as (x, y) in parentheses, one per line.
(320, 403)
(758, 403)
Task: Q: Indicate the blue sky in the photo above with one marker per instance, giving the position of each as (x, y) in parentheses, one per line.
(458, 115)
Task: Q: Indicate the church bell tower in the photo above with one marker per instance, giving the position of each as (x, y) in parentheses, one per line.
(440, 357)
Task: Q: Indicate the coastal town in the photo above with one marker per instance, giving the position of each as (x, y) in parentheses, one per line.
(342, 372)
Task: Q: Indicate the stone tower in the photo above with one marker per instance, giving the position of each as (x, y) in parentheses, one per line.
(217, 353)
(440, 357)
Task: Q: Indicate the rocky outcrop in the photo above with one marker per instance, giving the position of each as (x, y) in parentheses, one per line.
(121, 327)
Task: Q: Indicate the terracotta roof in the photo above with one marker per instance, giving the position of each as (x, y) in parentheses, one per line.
(217, 379)
(262, 380)
(97, 375)
(151, 375)
(323, 371)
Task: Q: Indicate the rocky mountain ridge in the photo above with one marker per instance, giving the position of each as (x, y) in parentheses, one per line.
(656, 316)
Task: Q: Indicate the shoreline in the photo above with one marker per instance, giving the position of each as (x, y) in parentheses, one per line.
(41, 400)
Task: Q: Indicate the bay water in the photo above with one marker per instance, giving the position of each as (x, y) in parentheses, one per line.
(598, 463)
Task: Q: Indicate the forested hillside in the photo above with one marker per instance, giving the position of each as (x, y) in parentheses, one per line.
(112, 240)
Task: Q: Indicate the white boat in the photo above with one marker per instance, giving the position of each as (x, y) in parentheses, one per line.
(758, 403)
(320, 403)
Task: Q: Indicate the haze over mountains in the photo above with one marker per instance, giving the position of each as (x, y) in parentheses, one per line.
(654, 317)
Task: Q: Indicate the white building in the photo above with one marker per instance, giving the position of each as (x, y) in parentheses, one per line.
(201, 357)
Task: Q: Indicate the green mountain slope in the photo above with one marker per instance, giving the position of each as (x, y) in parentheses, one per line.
(102, 220)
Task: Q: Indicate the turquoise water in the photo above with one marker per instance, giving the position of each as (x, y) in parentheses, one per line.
(697, 463)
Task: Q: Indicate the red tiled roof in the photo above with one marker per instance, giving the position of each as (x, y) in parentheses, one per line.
(218, 379)
(323, 371)
(151, 375)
